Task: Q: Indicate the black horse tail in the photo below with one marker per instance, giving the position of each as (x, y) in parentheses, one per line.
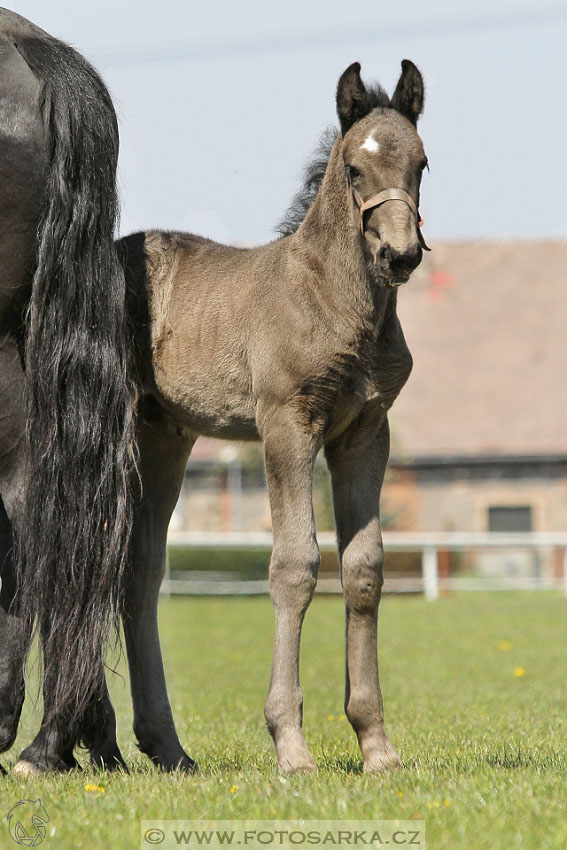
(78, 500)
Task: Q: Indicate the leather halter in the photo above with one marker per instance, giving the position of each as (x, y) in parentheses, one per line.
(382, 198)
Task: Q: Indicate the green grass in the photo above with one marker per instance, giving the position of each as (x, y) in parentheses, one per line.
(484, 750)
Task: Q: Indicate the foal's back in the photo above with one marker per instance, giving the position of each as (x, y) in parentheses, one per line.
(224, 326)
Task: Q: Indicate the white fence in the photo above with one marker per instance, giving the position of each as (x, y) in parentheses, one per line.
(431, 583)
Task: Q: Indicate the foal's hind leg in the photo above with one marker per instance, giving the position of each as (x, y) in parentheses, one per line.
(164, 448)
(357, 462)
(289, 455)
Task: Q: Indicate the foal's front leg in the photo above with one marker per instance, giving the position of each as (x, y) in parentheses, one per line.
(289, 455)
(357, 463)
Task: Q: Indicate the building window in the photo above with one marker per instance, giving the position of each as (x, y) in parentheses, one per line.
(510, 519)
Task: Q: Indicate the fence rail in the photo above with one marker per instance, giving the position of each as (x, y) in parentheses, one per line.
(429, 544)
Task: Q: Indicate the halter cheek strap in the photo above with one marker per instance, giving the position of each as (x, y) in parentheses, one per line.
(390, 195)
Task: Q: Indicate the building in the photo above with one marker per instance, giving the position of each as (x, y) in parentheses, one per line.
(480, 431)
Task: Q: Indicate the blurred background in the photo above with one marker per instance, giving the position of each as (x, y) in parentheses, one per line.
(220, 105)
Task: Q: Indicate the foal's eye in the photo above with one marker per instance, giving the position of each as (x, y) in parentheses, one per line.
(352, 172)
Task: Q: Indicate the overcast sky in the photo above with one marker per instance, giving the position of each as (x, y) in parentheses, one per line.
(221, 102)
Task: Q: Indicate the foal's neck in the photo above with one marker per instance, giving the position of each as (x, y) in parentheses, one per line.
(331, 230)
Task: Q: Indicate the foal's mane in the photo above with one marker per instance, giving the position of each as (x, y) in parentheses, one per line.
(314, 171)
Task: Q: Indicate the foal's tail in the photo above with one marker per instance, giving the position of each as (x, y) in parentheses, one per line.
(73, 550)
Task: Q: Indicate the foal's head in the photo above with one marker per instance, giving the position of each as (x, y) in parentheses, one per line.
(382, 151)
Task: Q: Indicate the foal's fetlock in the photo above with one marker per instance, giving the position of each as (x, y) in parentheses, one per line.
(378, 754)
(285, 728)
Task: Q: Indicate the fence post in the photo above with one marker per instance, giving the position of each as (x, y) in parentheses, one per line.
(430, 572)
(165, 588)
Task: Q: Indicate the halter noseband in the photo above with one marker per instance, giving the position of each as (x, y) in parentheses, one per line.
(390, 195)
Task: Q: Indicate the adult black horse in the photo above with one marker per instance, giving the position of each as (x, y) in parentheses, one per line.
(66, 424)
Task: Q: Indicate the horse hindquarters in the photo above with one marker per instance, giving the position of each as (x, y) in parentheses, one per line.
(58, 205)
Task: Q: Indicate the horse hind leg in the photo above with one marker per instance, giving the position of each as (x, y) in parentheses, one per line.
(53, 747)
(14, 634)
(98, 734)
(13, 642)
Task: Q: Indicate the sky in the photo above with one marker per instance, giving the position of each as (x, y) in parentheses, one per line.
(220, 104)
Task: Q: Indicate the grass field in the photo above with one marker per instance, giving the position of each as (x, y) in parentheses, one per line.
(475, 699)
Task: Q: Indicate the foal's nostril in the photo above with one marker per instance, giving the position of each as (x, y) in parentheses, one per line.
(400, 263)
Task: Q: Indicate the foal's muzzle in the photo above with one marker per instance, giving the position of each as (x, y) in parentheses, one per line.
(396, 266)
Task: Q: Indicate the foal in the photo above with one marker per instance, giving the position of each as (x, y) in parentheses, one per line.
(296, 343)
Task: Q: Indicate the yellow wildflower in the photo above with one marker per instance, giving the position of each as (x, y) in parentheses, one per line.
(98, 788)
(505, 645)
(519, 671)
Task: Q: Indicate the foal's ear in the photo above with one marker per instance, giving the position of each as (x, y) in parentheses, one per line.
(408, 97)
(353, 102)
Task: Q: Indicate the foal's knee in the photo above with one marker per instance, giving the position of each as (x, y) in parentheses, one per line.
(293, 574)
(362, 579)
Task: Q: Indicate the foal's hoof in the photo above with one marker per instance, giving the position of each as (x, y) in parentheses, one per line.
(25, 769)
(297, 760)
(382, 761)
(304, 766)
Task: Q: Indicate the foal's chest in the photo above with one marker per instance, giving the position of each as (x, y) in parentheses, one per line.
(372, 386)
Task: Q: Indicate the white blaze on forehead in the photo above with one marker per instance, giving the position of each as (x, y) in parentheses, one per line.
(370, 143)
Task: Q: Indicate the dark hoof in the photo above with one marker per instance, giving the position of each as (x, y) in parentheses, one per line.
(188, 765)
(168, 765)
(109, 761)
(31, 765)
(184, 765)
